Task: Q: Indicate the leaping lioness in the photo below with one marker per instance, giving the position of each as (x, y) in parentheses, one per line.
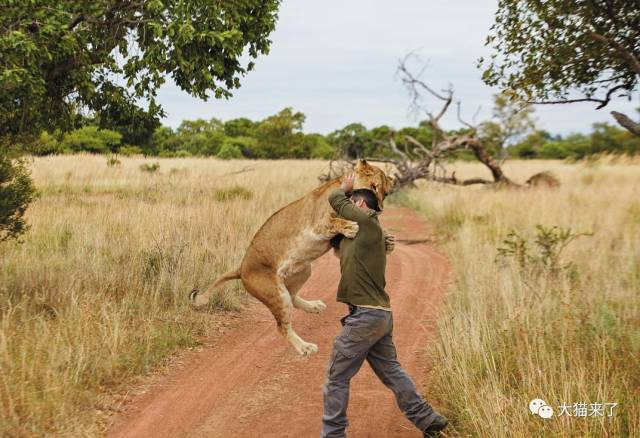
(278, 260)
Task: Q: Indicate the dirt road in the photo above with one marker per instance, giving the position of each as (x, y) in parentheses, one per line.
(251, 383)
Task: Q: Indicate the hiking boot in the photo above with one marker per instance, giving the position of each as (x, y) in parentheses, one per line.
(435, 427)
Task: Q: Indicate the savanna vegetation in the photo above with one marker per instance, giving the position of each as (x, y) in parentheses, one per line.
(96, 291)
(282, 136)
(544, 301)
(64, 62)
(128, 217)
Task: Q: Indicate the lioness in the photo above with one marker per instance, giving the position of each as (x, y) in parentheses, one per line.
(278, 260)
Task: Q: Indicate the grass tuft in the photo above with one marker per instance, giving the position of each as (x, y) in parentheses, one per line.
(231, 193)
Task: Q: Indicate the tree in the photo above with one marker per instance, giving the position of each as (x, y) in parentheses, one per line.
(511, 120)
(134, 124)
(198, 126)
(562, 51)
(423, 134)
(201, 137)
(105, 58)
(163, 138)
(352, 140)
(16, 192)
(91, 139)
(46, 144)
(241, 127)
(204, 143)
(318, 146)
(229, 151)
(428, 161)
(108, 56)
(246, 145)
(530, 146)
(608, 138)
(280, 136)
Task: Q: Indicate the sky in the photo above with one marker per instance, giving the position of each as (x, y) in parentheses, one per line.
(336, 62)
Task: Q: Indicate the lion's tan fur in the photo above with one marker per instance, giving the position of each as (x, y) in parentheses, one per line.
(278, 260)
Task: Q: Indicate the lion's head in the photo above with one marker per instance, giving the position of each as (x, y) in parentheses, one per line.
(372, 178)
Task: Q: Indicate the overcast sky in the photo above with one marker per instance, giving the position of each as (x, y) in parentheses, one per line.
(336, 61)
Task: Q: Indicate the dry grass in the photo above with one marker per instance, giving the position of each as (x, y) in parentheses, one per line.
(96, 292)
(511, 333)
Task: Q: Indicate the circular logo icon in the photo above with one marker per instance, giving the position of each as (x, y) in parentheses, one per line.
(545, 411)
(535, 405)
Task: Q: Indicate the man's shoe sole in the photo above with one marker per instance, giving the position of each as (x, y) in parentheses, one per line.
(436, 427)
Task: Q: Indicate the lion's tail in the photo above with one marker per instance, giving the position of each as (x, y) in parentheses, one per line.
(232, 275)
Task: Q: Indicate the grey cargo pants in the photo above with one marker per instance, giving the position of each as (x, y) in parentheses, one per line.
(366, 334)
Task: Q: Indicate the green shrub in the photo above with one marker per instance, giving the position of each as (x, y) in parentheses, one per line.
(150, 167)
(47, 144)
(91, 139)
(200, 137)
(183, 154)
(230, 193)
(167, 154)
(229, 151)
(128, 150)
(554, 150)
(162, 258)
(113, 161)
(323, 150)
(246, 145)
(545, 258)
(16, 192)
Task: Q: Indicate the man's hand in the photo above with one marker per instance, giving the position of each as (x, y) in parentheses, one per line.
(347, 183)
(389, 241)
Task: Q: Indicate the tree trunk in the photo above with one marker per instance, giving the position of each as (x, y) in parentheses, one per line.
(627, 123)
(483, 156)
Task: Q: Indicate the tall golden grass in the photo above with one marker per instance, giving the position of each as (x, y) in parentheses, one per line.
(511, 332)
(96, 292)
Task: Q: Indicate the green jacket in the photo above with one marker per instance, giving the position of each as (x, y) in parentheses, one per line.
(362, 259)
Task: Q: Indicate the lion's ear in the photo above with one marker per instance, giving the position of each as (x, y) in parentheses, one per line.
(362, 163)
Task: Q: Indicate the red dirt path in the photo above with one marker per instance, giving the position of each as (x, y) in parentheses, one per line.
(251, 383)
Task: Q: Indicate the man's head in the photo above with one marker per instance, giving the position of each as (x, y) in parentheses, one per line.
(365, 199)
(372, 178)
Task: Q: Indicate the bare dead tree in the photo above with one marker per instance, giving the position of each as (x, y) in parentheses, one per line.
(428, 162)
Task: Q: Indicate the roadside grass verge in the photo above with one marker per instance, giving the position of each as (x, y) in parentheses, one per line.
(96, 292)
(529, 318)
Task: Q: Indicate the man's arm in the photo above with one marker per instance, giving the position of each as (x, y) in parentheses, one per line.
(343, 206)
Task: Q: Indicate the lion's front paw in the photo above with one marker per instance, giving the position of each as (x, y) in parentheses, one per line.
(316, 306)
(350, 230)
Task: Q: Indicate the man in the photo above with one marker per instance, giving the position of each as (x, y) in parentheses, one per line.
(367, 329)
